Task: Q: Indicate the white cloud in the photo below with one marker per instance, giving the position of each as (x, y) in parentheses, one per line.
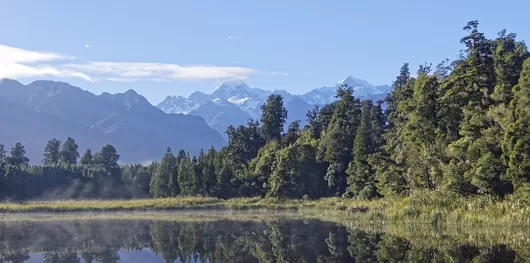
(17, 55)
(159, 71)
(21, 63)
(87, 46)
(234, 38)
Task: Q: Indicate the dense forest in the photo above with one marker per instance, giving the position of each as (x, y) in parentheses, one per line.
(461, 126)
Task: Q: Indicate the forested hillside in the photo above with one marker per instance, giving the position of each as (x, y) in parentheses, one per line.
(461, 126)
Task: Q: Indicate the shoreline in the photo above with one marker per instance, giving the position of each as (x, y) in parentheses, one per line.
(432, 207)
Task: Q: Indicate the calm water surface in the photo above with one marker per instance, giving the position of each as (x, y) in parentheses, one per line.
(199, 238)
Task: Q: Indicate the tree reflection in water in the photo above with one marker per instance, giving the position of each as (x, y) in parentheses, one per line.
(227, 241)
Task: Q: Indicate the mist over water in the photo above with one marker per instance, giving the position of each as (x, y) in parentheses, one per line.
(199, 238)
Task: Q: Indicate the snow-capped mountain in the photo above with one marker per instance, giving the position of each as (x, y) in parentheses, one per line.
(361, 89)
(178, 104)
(220, 113)
(235, 102)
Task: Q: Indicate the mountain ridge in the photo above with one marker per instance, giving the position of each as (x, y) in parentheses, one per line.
(139, 130)
(249, 100)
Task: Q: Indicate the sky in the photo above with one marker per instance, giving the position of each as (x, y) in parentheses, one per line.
(161, 48)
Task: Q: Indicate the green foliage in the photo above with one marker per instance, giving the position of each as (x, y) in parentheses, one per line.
(361, 175)
(461, 128)
(187, 178)
(107, 157)
(273, 118)
(162, 184)
(292, 134)
(52, 152)
(338, 140)
(516, 143)
(87, 158)
(17, 156)
(2, 153)
(69, 153)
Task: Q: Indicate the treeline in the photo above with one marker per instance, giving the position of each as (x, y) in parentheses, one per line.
(462, 126)
(63, 175)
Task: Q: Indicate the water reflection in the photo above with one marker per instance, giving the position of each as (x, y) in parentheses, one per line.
(282, 240)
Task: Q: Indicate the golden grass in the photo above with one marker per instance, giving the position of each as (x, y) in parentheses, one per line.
(431, 207)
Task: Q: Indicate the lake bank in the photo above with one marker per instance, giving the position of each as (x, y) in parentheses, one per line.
(437, 207)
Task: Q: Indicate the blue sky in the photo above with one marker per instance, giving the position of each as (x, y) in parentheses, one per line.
(162, 48)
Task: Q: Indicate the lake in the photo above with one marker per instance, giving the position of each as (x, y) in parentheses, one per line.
(232, 237)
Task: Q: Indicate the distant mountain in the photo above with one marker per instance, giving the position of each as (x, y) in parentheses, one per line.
(35, 113)
(220, 112)
(361, 89)
(178, 104)
(216, 110)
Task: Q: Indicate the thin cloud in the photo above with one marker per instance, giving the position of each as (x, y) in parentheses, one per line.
(160, 71)
(234, 38)
(279, 73)
(87, 46)
(18, 55)
(21, 63)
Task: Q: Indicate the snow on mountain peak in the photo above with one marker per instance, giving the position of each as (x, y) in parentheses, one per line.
(232, 85)
(237, 100)
(177, 104)
(353, 82)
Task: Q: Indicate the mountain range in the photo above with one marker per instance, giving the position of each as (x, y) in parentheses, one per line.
(35, 113)
(235, 102)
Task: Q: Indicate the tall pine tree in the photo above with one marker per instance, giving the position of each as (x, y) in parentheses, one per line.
(52, 152)
(160, 186)
(273, 116)
(516, 143)
(361, 177)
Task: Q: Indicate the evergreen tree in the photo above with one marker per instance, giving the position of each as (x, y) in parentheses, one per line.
(51, 152)
(17, 156)
(312, 123)
(474, 156)
(87, 158)
(243, 146)
(208, 171)
(516, 143)
(2, 153)
(361, 180)
(273, 117)
(197, 166)
(391, 177)
(338, 140)
(281, 180)
(292, 134)
(69, 153)
(425, 133)
(224, 174)
(162, 187)
(186, 177)
(108, 157)
(261, 167)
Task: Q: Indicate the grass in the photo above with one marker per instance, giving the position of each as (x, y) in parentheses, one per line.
(426, 207)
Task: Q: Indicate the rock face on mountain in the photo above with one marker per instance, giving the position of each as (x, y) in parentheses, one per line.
(35, 113)
(248, 102)
(219, 112)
